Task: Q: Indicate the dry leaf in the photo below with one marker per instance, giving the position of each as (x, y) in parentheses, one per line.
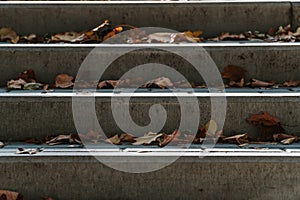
(234, 73)
(211, 128)
(264, 119)
(114, 140)
(237, 139)
(147, 138)
(8, 35)
(32, 86)
(161, 83)
(68, 37)
(16, 84)
(258, 83)
(166, 139)
(108, 84)
(63, 81)
(291, 83)
(125, 137)
(1, 144)
(29, 151)
(64, 139)
(285, 138)
(10, 195)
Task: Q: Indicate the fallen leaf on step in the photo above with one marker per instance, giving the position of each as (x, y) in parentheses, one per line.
(234, 73)
(107, 84)
(125, 137)
(285, 138)
(236, 139)
(147, 138)
(33, 86)
(166, 139)
(161, 83)
(16, 84)
(68, 37)
(8, 35)
(291, 83)
(64, 139)
(29, 151)
(114, 140)
(267, 126)
(211, 128)
(64, 81)
(259, 83)
(28, 76)
(10, 195)
(1, 144)
(228, 36)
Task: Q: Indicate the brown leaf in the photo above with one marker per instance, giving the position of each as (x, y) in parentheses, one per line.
(114, 140)
(125, 137)
(63, 81)
(291, 83)
(147, 138)
(237, 139)
(28, 76)
(10, 195)
(264, 119)
(68, 37)
(285, 138)
(228, 36)
(16, 84)
(8, 35)
(161, 83)
(237, 84)
(108, 84)
(259, 83)
(64, 139)
(234, 73)
(166, 139)
(267, 126)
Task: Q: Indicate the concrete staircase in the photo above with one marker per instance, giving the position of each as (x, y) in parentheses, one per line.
(227, 172)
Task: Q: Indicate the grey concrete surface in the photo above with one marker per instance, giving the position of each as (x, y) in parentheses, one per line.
(278, 63)
(181, 180)
(38, 117)
(213, 18)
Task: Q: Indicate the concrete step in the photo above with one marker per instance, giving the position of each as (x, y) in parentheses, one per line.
(36, 114)
(75, 174)
(213, 17)
(262, 61)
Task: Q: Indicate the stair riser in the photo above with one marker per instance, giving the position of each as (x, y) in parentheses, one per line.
(265, 63)
(39, 117)
(76, 180)
(213, 18)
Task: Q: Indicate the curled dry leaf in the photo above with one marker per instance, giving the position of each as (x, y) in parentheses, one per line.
(114, 140)
(147, 138)
(10, 195)
(32, 86)
(237, 139)
(228, 36)
(68, 37)
(161, 83)
(267, 126)
(63, 81)
(29, 151)
(259, 83)
(8, 35)
(211, 128)
(108, 84)
(125, 137)
(264, 119)
(16, 84)
(285, 138)
(64, 139)
(234, 73)
(291, 83)
(166, 139)
(28, 76)
(1, 144)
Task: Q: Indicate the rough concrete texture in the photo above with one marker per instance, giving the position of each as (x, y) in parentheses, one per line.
(181, 180)
(213, 18)
(265, 63)
(40, 117)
